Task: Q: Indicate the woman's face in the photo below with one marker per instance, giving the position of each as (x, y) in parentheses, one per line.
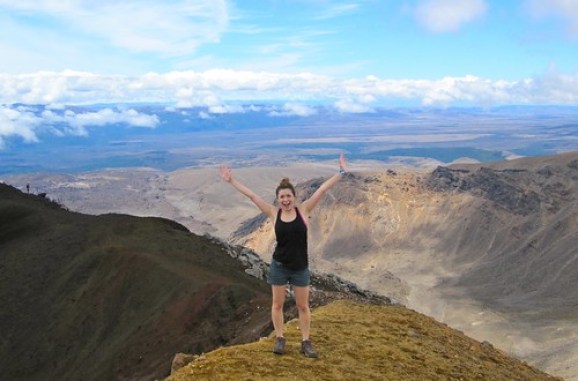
(286, 199)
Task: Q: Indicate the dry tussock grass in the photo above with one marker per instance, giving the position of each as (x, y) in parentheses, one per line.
(364, 342)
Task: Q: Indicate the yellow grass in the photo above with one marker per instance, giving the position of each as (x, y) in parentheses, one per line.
(364, 342)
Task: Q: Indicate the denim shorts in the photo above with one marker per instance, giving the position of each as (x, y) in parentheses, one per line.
(279, 275)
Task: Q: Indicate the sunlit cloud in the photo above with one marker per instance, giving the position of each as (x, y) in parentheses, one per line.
(448, 15)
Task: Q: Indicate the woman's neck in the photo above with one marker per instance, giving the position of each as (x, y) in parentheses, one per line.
(288, 215)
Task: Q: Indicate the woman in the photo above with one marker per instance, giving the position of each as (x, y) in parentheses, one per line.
(290, 260)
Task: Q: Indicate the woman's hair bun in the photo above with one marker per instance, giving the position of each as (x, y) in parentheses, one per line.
(285, 184)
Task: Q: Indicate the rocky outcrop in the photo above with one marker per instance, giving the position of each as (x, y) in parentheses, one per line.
(507, 188)
(249, 226)
(325, 287)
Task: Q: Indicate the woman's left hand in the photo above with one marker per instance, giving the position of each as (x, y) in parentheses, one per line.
(226, 173)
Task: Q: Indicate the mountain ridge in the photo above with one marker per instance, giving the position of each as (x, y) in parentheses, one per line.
(112, 296)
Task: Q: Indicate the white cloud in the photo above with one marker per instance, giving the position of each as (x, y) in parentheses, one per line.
(171, 28)
(566, 10)
(294, 109)
(79, 121)
(448, 15)
(204, 115)
(227, 109)
(351, 106)
(15, 122)
(108, 116)
(26, 122)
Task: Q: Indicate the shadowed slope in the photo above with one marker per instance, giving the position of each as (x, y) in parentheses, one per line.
(517, 244)
(365, 342)
(112, 296)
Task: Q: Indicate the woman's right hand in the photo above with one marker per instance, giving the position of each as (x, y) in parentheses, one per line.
(226, 173)
(342, 162)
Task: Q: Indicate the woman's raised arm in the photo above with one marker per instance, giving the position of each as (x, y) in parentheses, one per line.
(264, 206)
(309, 204)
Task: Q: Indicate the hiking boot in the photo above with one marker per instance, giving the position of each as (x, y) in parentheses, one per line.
(279, 346)
(307, 349)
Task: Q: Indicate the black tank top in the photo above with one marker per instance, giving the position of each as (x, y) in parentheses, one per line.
(291, 249)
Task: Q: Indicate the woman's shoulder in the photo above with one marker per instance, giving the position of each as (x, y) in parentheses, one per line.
(273, 214)
(303, 214)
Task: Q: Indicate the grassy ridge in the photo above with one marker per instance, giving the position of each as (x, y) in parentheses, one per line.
(365, 342)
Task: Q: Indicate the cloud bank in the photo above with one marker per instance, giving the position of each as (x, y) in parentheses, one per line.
(215, 89)
(229, 91)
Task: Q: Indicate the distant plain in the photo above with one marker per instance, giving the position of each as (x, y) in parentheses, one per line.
(188, 138)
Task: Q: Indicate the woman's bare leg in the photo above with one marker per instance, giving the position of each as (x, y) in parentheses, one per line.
(302, 302)
(277, 308)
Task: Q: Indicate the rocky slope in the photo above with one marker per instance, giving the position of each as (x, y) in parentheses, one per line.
(522, 241)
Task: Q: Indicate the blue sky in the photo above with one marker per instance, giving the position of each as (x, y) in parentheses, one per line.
(354, 55)
(420, 39)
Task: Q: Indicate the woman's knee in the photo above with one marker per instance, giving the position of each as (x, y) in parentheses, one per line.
(278, 297)
(302, 306)
(277, 306)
